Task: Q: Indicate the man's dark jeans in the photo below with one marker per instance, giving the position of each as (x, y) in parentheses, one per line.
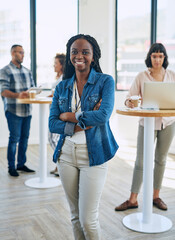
(19, 128)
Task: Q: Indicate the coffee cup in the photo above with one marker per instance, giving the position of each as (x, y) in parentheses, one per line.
(32, 94)
(135, 100)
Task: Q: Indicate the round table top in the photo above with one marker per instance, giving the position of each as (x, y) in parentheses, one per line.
(145, 113)
(39, 100)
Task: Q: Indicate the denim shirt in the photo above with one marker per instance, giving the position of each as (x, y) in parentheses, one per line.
(100, 140)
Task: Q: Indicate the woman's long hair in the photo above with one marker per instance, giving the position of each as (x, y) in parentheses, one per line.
(69, 68)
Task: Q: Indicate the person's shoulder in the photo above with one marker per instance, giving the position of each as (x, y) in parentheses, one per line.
(170, 72)
(104, 76)
(64, 83)
(26, 69)
(6, 69)
(141, 74)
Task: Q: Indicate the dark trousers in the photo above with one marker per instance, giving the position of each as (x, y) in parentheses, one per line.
(19, 128)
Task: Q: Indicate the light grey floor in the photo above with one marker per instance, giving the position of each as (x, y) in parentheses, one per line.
(34, 214)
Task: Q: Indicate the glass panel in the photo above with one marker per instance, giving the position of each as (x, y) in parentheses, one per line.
(165, 28)
(133, 39)
(56, 23)
(14, 29)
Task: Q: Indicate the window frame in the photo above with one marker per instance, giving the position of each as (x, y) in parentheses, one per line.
(153, 34)
(33, 36)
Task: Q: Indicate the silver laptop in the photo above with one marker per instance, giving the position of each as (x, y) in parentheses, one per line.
(158, 95)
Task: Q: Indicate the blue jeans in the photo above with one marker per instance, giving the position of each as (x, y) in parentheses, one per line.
(19, 128)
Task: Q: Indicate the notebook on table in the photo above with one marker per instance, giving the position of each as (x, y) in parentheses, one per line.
(159, 95)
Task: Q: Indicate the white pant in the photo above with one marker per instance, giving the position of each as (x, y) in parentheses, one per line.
(83, 186)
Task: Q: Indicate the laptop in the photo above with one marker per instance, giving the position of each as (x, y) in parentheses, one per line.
(159, 95)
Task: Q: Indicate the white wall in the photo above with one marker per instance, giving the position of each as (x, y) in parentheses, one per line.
(97, 19)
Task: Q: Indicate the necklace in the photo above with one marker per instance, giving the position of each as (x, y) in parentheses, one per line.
(77, 103)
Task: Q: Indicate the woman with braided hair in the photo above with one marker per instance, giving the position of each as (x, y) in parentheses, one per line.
(80, 111)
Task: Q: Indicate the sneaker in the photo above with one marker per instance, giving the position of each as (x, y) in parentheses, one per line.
(13, 172)
(55, 172)
(25, 169)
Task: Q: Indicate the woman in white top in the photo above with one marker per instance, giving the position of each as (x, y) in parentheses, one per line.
(157, 62)
(59, 64)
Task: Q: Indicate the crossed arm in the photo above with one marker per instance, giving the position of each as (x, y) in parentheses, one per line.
(70, 117)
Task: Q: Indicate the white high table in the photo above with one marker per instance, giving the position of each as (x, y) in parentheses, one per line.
(147, 221)
(42, 181)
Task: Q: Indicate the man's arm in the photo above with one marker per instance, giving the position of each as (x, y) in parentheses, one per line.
(9, 94)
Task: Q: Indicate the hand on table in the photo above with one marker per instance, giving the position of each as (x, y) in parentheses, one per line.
(24, 94)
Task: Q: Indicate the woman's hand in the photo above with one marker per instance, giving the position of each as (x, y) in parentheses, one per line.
(97, 106)
(68, 117)
(78, 129)
(129, 102)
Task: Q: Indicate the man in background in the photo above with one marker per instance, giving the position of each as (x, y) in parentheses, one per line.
(15, 80)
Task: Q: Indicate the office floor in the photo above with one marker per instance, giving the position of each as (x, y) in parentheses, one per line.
(34, 214)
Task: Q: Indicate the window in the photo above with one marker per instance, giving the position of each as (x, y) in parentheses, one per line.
(165, 29)
(56, 22)
(14, 29)
(133, 39)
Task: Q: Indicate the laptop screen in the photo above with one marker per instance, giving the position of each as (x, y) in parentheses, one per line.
(159, 95)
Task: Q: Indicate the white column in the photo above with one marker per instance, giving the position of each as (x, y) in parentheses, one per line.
(43, 131)
(43, 181)
(148, 156)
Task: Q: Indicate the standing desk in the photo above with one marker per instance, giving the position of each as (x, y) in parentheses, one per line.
(147, 221)
(42, 181)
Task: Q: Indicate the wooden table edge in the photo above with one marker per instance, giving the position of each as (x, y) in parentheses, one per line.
(146, 113)
(30, 101)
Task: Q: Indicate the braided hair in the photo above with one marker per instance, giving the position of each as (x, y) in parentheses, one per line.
(69, 68)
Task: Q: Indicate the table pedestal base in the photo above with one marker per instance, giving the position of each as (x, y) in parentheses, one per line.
(158, 223)
(48, 183)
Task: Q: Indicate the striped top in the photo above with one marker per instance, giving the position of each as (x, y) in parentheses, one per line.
(16, 80)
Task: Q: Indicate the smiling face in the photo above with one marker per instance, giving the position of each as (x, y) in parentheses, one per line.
(81, 55)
